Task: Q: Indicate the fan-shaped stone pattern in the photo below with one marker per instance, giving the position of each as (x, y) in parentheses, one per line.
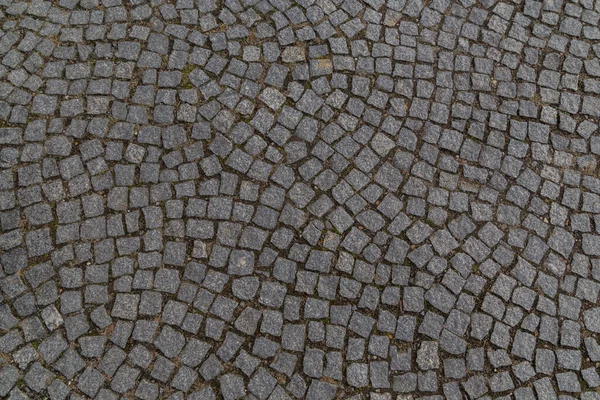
(269, 199)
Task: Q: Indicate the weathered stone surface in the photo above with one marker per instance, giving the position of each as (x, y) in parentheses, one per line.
(299, 199)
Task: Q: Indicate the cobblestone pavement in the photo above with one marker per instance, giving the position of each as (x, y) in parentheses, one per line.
(310, 199)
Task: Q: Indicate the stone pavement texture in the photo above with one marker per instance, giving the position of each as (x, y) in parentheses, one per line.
(310, 199)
